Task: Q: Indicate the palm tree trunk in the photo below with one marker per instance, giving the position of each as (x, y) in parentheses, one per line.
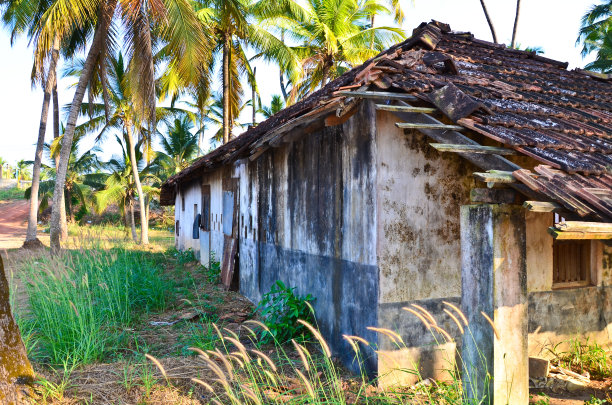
(282, 75)
(516, 17)
(33, 217)
(107, 9)
(253, 95)
(133, 222)
(486, 13)
(226, 88)
(56, 134)
(144, 225)
(372, 34)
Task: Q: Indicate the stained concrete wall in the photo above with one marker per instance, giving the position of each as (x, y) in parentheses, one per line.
(559, 315)
(307, 218)
(419, 194)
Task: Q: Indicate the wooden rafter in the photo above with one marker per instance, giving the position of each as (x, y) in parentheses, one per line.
(382, 95)
(423, 125)
(445, 147)
(403, 108)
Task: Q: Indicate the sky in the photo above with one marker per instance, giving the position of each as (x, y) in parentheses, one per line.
(549, 24)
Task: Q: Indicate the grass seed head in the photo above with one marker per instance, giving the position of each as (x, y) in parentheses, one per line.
(307, 384)
(266, 359)
(458, 311)
(418, 315)
(454, 318)
(158, 364)
(491, 323)
(298, 348)
(318, 336)
(203, 384)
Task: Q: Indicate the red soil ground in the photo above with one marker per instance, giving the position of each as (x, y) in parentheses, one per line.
(13, 223)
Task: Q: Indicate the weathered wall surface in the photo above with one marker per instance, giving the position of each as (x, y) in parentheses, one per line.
(307, 218)
(556, 316)
(419, 194)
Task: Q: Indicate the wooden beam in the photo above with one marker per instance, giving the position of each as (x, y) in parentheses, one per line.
(580, 226)
(480, 160)
(377, 94)
(495, 176)
(493, 195)
(542, 206)
(403, 108)
(569, 235)
(446, 147)
(418, 125)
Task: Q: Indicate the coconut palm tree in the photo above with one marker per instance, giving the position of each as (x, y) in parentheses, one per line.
(81, 181)
(596, 36)
(489, 21)
(120, 187)
(332, 36)
(23, 17)
(119, 112)
(276, 104)
(177, 27)
(2, 163)
(179, 147)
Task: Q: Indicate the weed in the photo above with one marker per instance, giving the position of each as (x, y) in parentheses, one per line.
(80, 301)
(595, 401)
(585, 356)
(213, 272)
(50, 390)
(129, 376)
(542, 401)
(203, 337)
(147, 379)
(281, 309)
(12, 194)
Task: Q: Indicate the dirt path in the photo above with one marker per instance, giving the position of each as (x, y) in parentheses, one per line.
(13, 223)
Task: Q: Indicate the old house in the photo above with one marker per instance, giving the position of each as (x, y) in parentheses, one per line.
(446, 169)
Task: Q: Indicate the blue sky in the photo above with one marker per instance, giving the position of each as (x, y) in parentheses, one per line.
(549, 24)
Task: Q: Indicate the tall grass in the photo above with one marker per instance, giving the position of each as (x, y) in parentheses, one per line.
(304, 373)
(80, 303)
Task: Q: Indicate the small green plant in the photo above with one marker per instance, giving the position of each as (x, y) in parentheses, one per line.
(595, 401)
(129, 376)
(281, 309)
(213, 272)
(585, 356)
(147, 379)
(542, 401)
(50, 390)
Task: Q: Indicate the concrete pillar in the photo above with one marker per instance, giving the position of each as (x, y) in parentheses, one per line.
(494, 281)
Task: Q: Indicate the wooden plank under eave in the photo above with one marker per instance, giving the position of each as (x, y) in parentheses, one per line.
(446, 147)
(401, 108)
(580, 226)
(569, 235)
(542, 206)
(495, 176)
(418, 125)
(377, 94)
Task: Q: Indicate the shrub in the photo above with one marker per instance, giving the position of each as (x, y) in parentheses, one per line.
(281, 309)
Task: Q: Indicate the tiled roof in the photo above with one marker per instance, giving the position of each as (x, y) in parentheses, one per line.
(529, 103)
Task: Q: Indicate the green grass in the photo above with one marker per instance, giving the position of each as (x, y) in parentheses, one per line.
(11, 194)
(82, 303)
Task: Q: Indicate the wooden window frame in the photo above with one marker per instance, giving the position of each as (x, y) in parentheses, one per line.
(580, 252)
